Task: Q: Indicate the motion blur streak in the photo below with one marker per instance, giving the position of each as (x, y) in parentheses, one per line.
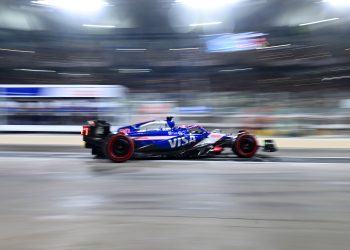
(205, 24)
(184, 49)
(131, 50)
(99, 26)
(36, 70)
(279, 69)
(340, 3)
(321, 21)
(82, 6)
(74, 74)
(275, 46)
(16, 50)
(205, 4)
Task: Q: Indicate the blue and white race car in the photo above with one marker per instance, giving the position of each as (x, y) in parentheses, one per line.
(165, 139)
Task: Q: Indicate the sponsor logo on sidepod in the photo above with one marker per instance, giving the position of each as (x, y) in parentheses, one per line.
(181, 141)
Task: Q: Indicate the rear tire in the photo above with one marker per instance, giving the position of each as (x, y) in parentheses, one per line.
(245, 145)
(119, 148)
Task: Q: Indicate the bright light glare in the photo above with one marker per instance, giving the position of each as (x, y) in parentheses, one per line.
(36, 70)
(99, 26)
(320, 21)
(130, 71)
(74, 74)
(83, 6)
(338, 2)
(16, 50)
(205, 24)
(207, 3)
(184, 49)
(276, 46)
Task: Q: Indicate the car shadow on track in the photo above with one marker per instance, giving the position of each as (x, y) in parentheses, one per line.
(105, 166)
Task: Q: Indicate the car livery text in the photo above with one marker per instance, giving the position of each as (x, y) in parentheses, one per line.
(181, 141)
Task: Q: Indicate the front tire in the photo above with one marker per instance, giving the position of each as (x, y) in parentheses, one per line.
(245, 145)
(119, 148)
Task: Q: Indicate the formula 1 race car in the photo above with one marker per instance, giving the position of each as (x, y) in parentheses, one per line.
(165, 139)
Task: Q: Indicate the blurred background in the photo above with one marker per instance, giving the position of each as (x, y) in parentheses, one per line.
(278, 68)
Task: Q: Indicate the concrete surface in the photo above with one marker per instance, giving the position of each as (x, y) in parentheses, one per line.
(41, 139)
(82, 203)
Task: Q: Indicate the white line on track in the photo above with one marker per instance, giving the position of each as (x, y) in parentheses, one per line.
(86, 154)
(312, 157)
(81, 155)
(43, 153)
(243, 162)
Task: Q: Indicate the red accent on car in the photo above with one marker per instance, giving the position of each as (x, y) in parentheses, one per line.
(85, 130)
(124, 131)
(92, 123)
(214, 135)
(217, 149)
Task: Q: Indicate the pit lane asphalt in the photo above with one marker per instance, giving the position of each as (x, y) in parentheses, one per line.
(68, 203)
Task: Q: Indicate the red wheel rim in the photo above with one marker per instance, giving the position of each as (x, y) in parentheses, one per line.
(246, 145)
(123, 150)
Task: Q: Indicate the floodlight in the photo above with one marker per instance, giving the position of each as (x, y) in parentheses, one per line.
(338, 2)
(81, 6)
(207, 3)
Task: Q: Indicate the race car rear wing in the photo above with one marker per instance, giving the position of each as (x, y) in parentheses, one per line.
(95, 131)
